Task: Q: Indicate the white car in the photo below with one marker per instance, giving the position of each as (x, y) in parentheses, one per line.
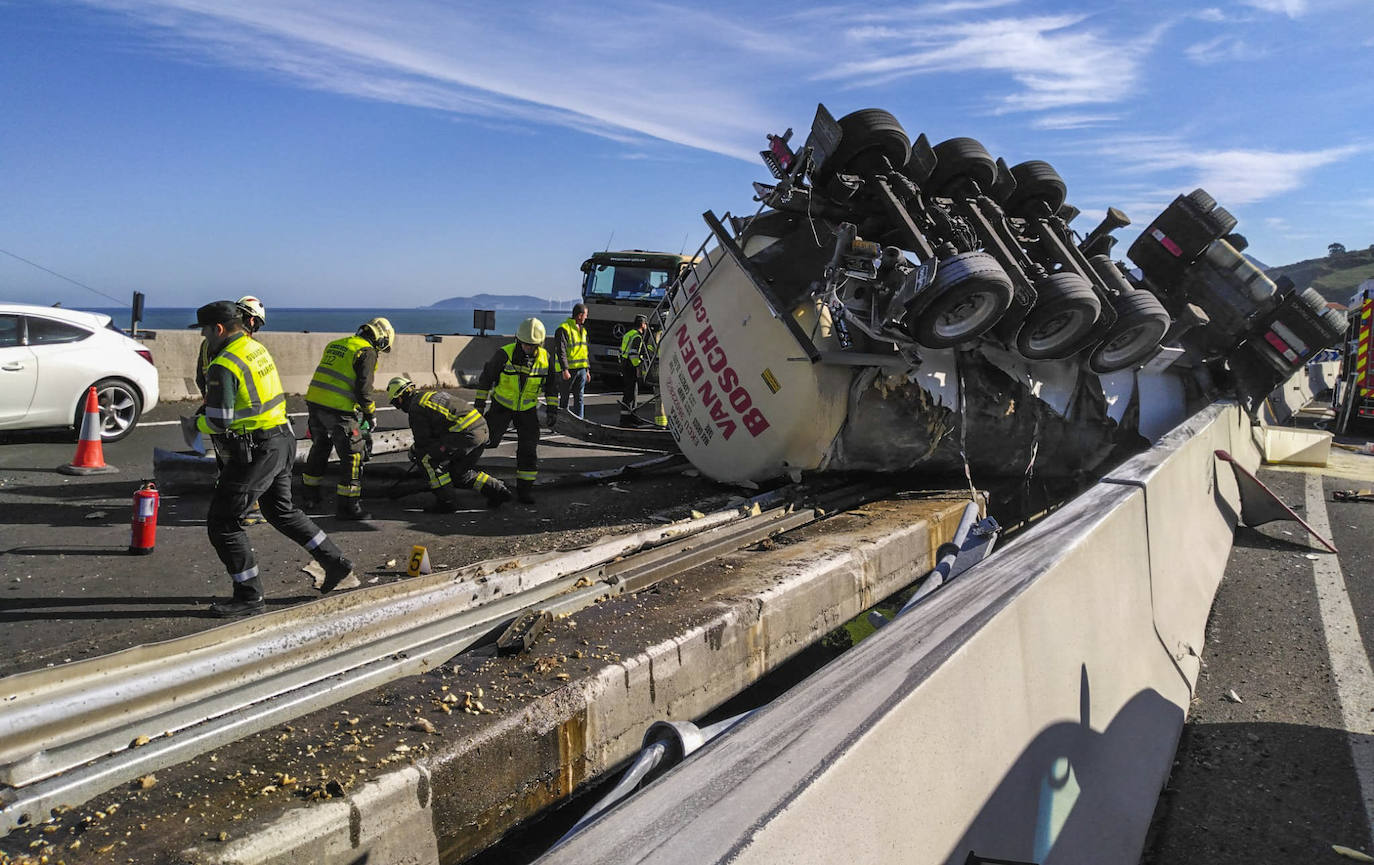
(50, 357)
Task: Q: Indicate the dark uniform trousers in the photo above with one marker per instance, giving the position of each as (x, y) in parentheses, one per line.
(499, 419)
(339, 430)
(257, 466)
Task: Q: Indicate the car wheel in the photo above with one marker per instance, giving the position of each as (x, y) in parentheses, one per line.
(120, 408)
(970, 293)
(1066, 308)
(1141, 323)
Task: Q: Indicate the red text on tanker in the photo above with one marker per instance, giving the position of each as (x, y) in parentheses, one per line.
(716, 382)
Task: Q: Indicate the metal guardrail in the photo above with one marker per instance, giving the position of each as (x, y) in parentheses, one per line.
(70, 733)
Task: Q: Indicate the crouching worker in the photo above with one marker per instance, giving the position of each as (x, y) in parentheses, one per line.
(245, 414)
(449, 438)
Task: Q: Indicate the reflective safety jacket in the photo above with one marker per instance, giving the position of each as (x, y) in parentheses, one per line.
(514, 379)
(632, 347)
(343, 380)
(442, 421)
(570, 346)
(242, 389)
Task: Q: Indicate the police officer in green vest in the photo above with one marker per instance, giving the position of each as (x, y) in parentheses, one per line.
(450, 435)
(633, 349)
(342, 413)
(570, 360)
(245, 415)
(515, 378)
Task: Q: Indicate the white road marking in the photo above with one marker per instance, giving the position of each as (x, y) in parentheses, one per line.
(380, 409)
(1349, 661)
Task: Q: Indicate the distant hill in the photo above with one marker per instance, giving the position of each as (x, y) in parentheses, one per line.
(503, 301)
(1334, 277)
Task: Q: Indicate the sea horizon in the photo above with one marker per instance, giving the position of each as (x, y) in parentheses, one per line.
(420, 319)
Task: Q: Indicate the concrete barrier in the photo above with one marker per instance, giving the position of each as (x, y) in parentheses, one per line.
(1301, 388)
(176, 353)
(1030, 711)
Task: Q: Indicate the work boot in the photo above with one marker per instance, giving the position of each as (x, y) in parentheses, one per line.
(350, 508)
(311, 501)
(337, 574)
(524, 492)
(247, 599)
(445, 501)
(496, 493)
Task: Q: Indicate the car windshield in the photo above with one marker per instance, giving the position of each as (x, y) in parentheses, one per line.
(623, 282)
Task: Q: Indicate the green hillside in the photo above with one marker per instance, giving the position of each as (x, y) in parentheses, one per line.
(1334, 277)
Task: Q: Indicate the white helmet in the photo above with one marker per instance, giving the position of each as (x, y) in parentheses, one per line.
(251, 308)
(380, 331)
(530, 331)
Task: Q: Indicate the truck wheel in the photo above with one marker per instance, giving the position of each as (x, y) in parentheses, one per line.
(869, 132)
(1141, 323)
(958, 159)
(969, 294)
(1037, 183)
(1066, 309)
(1202, 200)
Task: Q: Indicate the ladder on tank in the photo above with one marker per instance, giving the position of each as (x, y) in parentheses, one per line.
(1355, 390)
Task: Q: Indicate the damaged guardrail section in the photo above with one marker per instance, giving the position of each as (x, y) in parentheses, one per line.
(1032, 707)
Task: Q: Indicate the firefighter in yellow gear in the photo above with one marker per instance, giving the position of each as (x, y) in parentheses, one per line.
(245, 415)
(517, 379)
(342, 414)
(450, 435)
(254, 316)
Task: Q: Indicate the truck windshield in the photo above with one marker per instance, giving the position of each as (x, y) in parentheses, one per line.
(625, 282)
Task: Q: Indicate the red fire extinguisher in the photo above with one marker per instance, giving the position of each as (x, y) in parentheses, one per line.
(143, 532)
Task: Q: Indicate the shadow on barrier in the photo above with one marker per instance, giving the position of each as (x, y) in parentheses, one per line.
(62, 609)
(1074, 788)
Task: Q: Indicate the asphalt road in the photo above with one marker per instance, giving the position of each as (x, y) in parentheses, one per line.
(69, 589)
(1275, 765)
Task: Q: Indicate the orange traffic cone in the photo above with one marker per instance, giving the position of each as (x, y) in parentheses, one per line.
(90, 457)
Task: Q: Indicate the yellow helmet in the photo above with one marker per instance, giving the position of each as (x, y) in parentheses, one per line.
(380, 331)
(397, 386)
(531, 331)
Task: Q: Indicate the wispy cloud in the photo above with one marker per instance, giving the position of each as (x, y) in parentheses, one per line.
(1057, 61)
(1291, 8)
(1224, 49)
(1073, 121)
(555, 66)
(1235, 176)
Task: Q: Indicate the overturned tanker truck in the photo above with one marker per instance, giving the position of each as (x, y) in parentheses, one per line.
(895, 305)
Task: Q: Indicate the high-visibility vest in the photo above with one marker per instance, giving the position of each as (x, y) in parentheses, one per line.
(441, 403)
(259, 402)
(577, 344)
(632, 346)
(518, 387)
(335, 383)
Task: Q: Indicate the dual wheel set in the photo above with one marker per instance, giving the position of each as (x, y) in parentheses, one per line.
(1068, 302)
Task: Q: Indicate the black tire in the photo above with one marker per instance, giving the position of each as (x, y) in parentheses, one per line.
(1238, 241)
(121, 405)
(1065, 310)
(1313, 300)
(1140, 325)
(1337, 323)
(1222, 221)
(867, 133)
(1037, 185)
(962, 158)
(1201, 200)
(970, 293)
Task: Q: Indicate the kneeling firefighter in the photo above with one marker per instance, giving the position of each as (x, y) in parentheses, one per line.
(449, 438)
(516, 378)
(342, 414)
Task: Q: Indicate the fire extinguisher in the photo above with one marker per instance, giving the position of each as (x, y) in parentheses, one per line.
(143, 530)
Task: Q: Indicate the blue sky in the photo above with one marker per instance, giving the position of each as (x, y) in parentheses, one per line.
(393, 153)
